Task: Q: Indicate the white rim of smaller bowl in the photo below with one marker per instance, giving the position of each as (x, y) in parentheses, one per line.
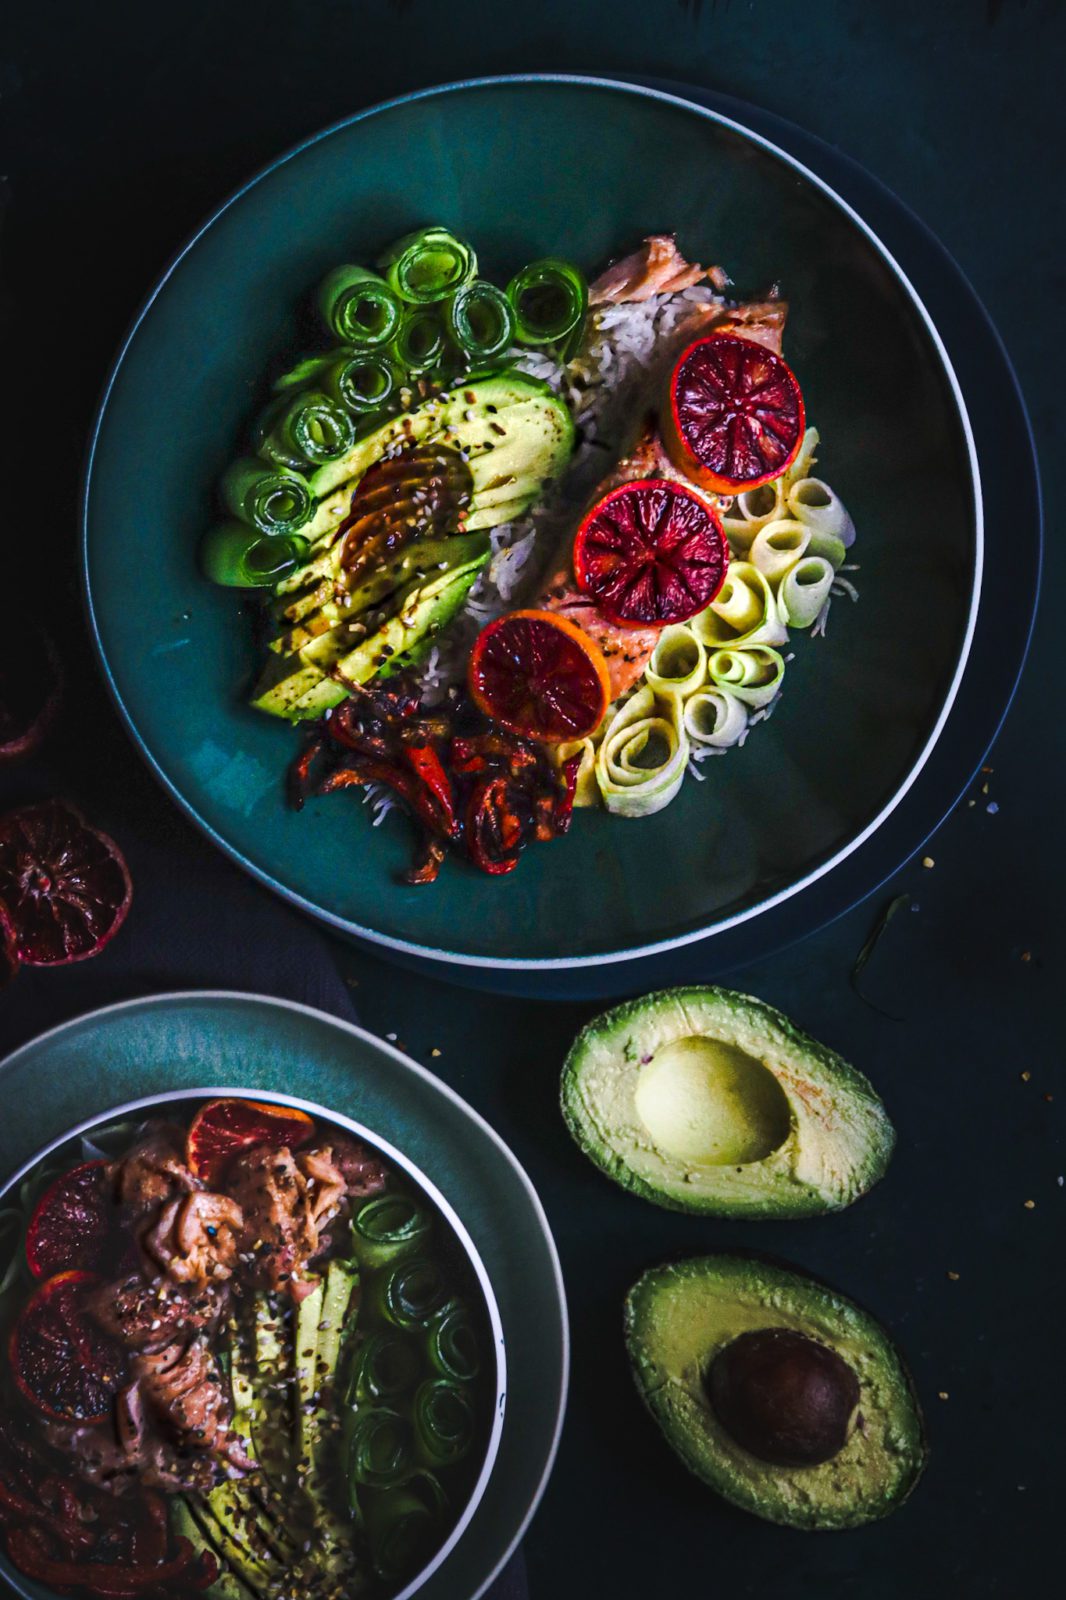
(444, 1206)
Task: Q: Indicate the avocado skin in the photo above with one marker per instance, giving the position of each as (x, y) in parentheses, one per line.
(785, 1195)
(842, 1493)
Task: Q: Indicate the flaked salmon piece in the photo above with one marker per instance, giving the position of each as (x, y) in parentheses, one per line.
(658, 267)
(626, 651)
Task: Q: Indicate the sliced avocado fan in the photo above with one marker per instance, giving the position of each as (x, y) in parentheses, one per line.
(728, 1348)
(704, 1100)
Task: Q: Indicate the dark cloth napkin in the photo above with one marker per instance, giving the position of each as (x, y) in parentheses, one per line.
(196, 921)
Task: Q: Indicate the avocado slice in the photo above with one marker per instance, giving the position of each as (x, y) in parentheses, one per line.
(226, 1585)
(300, 691)
(690, 1327)
(704, 1100)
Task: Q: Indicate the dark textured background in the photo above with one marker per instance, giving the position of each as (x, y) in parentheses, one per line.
(123, 126)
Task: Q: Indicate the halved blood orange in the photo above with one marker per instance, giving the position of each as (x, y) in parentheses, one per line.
(734, 414)
(71, 1223)
(223, 1128)
(65, 884)
(62, 1362)
(539, 675)
(651, 552)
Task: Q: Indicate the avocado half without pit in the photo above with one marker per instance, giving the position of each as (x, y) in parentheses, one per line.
(784, 1397)
(704, 1100)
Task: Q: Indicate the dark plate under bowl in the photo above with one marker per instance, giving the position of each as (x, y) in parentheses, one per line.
(861, 710)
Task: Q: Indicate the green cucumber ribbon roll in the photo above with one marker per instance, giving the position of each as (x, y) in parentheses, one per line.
(240, 557)
(812, 502)
(678, 664)
(364, 381)
(451, 1344)
(480, 321)
(443, 1421)
(411, 1293)
(403, 1526)
(385, 1365)
(276, 500)
(641, 763)
(742, 613)
(750, 512)
(777, 547)
(359, 307)
(380, 1446)
(754, 675)
(805, 458)
(804, 591)
(387, 1227)
(715, 717)
(307, 371)
(419, 343)
(428, 265)
(306, 429)
(549, 299)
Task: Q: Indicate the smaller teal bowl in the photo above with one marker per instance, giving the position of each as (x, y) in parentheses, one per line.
(190, 1038)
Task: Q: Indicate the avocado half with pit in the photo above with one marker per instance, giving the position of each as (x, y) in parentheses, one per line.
(704, 1100)
(779, 1393)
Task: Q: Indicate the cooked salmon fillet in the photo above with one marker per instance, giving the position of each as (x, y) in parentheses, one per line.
(627, 651)
(658, 267)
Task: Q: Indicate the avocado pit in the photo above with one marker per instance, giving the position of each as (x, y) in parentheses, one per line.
(709, 1103)
(784, 1397)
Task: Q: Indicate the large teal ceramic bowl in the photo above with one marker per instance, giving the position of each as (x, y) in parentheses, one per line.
(528, 167)
(171, 1045)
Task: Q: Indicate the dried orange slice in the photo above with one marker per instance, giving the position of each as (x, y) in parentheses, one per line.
(539, 675)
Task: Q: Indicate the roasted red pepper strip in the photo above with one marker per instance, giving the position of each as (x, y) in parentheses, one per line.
(26, 1549)
(300, 773)
(487, 813)
(564, 806)
(73, 1535)
(426, 764)
(410, 789)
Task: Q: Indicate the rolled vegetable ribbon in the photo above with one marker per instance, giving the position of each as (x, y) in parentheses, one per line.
(715, 717)
(804, 591)
(678, 664)
(419, 343)
(742, 613)
(386, 1365)
(305, 372)
(777, 547)
(443, 1420)
(310, 428)
(805, 459)
(240, 557)
(359, 307)
(549, 298)
(428, 265)
(411, 1294)
(631, 789)
(754, 675)
(362, 380)
(276, 500)
(403, 1526)
(387, 1227)
(751, 511)
(380, 1446)
(451, 1344)
(819, 508)
(480, 320)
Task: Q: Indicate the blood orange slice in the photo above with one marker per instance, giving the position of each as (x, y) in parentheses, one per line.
(31, 686)
(650, 553)
(223, 1128)
(734, 414)
(71, 1223)
(62, 1362)
(539, 675)
(64, 883)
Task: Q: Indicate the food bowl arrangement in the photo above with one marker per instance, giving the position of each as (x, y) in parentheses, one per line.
(250, 1350)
